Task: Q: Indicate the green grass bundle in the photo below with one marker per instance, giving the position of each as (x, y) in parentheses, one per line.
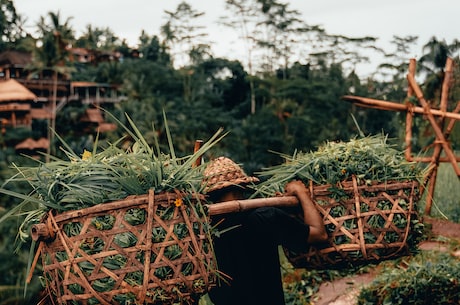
(98, 213)
(369, 158)
(104, 175)
(366, 192)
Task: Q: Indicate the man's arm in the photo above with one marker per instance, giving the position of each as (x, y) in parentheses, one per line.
(311, 215)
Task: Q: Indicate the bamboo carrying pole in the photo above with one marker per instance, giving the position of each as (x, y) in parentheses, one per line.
(234, 206)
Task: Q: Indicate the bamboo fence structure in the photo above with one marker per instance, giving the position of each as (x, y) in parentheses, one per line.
(436, 117)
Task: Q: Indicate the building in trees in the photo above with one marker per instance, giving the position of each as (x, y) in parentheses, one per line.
(16, 103)
(26, 99)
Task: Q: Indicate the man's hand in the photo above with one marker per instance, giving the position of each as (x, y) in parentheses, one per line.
(294, 188)
(311, 215)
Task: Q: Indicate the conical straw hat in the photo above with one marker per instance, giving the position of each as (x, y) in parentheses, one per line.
(223, 172)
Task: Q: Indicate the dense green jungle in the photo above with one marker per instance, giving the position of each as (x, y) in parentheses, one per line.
(271, 102)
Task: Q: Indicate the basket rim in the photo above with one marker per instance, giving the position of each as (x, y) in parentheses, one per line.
(127, 202)
(347, 185)
(192, 252)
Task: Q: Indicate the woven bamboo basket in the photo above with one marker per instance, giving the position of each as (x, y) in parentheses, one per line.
(365, 223)
(162, 257)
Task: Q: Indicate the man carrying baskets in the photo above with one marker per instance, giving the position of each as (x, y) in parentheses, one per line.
(246, 248)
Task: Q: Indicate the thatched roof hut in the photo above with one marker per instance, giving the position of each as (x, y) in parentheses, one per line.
(11, 90)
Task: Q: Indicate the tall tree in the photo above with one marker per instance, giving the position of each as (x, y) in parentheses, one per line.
(243, 16)
(10, 24)
(88, 39)
(55, 38)
(282, 31)
(98, 38)
(436, 53)
(152, 49)
(184, 36)
(186, 42)
(270, 31)
(343, 50)
(397, 61)
(432, 63)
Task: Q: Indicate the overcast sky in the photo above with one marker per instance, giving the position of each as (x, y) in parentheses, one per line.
(352, 18)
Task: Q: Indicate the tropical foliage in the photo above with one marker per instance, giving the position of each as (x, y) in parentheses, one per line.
(281, 97)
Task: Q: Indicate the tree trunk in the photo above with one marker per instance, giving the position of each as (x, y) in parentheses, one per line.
(52, 129)
(253, 96)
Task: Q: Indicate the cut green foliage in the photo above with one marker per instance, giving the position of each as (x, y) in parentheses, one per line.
(370, 159)
(375, 212)
(429, 278)
(113, 173)
(301, 285)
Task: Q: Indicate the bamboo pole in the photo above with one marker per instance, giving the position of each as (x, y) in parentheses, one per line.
(385, 105)
(34, 262)
(451, 123)
(292, 201)
(434, 125)
(438, 144)
(431, 188)
(198, 144)
(437, 125)
(408, 138)
(409, 114)
(446, 84)
(234, 206)
(447, 133)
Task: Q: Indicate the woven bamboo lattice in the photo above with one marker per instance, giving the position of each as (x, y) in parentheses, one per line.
(147, 249)
(365, 223)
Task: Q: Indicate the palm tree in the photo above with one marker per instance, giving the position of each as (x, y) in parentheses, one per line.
(436, 53)
(433, 61)
(184, 36)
